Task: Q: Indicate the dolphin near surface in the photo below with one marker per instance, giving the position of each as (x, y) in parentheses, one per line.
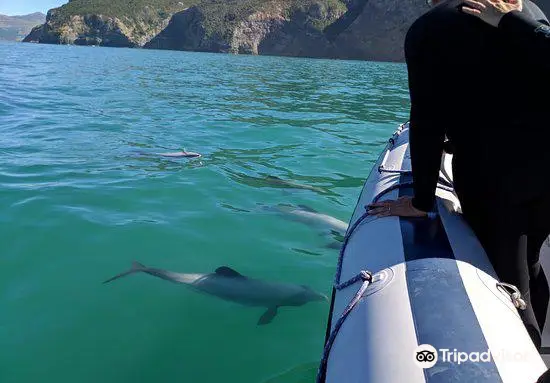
(182, 154)
(228, 284)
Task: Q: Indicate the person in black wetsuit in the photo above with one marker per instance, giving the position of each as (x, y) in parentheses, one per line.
(485, 92)
(520, 28)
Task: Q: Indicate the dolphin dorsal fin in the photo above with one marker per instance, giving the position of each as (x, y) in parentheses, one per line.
(228, 272)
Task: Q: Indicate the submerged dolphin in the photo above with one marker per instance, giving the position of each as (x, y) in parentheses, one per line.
(228, 284)
(275, 182)
(311, 217)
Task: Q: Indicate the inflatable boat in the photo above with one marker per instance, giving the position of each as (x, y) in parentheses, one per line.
(416, 299)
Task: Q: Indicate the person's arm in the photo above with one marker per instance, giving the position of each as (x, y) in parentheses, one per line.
(427, 115)
(534, 35)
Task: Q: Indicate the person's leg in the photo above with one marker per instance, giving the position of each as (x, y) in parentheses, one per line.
(501, 232)
(538, 231)
(544, 378)
(507, 250)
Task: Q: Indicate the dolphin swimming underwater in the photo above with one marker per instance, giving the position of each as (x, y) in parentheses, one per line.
(274, 182)
(311, 217)
(228, 284)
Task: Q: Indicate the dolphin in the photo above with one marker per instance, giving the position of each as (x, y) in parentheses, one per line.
(182, 154)
(228, 284)
(311, 217)
(275, 182)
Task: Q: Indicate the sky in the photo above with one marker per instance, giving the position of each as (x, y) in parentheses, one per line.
(23, 7)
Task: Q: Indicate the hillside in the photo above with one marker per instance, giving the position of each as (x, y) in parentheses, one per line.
(17, 27)
(117, 23)
(277, 27)
(348, 29)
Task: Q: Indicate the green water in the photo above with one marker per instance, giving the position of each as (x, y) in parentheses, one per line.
(83, 194)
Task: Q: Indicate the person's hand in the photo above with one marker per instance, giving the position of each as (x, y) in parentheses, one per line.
(491, 11)
(401, 207)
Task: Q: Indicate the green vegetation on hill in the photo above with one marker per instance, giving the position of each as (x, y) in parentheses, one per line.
(129, 9)
(328, 13)
(305, 28)
(139, 21)
(221, 16)
(208, 25)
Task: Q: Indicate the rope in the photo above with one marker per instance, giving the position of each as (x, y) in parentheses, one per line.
(366, 277)
(443, 183)
(391, 144)
(382, 169)
(362, 276)
(345, 244)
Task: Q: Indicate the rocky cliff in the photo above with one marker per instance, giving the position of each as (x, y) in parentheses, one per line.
(379, 29)
(378, 32)
(113, 23)
(293, 28)
(347, 29)
(360, 29)
(83, 30)
(353, 29)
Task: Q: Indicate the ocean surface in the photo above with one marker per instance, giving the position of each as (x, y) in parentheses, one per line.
(84, 192)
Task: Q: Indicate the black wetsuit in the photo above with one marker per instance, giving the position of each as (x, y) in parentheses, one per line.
(487, 93)
(535, 35)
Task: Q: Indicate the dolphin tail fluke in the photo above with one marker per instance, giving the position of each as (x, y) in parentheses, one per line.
(136, 268)
(268, 316)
